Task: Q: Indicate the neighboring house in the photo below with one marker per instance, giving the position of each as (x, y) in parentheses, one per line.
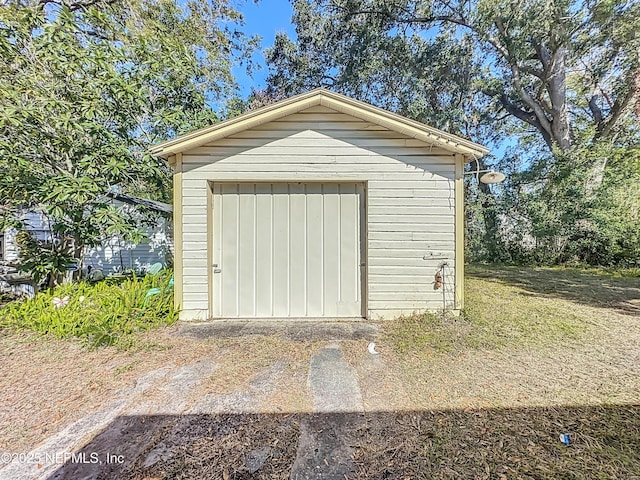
(317, 206)
(36, 223)
(114, 254)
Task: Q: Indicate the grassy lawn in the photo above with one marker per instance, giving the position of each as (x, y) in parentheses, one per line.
(518, 307)
(538, 352)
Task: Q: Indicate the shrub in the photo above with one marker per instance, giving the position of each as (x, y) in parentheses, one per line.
(42, 259)
(101, 314)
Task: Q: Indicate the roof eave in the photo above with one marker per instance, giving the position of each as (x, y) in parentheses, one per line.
(406, 126)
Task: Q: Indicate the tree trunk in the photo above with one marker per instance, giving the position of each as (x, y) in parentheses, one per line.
(55, 279)
(78, 254)
(557, 88)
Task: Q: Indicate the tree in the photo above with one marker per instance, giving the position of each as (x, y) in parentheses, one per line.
(555, 216)
(545, 63)
(427, 79)
(559, 76)
(87, 86)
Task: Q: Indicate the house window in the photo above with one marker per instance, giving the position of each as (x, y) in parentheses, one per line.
(1, 246)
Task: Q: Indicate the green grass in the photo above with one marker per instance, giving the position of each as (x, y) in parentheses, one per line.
(513, 306)
(611, 272)
(99, 314)
(427, 332)
(597, 287)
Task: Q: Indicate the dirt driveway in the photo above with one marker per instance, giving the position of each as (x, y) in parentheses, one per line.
(308, 400)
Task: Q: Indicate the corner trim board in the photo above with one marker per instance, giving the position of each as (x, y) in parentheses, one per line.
(459, 229)
(178, 263)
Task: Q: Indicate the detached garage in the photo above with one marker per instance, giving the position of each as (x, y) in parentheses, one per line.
(318, 206)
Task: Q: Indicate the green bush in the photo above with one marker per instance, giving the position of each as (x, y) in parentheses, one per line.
(101, 314)
(42, 259)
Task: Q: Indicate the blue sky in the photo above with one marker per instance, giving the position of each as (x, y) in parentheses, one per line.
(264, 19)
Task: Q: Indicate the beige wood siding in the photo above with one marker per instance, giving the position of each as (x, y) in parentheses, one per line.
(410, 201)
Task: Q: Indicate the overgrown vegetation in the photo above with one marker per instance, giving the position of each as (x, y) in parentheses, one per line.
(100, 314)
(42, 259)
(549, 211)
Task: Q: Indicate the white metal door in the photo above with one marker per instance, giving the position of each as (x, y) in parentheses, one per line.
(287, 249)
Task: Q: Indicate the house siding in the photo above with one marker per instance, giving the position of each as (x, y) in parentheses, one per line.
(410, 201)
(114, 254)
(36, 223)
(11, 251)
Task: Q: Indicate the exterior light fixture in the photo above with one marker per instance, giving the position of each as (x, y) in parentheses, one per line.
(490, 176)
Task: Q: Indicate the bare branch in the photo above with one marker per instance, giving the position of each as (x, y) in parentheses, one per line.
(617, 110)
(532, 71)
(529, 100)
(529, 117)
(74, 5)
(595, 110)
(456, 20)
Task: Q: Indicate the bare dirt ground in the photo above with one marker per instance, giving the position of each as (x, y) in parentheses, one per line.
(540, 353)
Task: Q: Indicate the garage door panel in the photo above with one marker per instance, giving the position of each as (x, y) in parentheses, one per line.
(315, 273)
(229, 254)
(217, 251)
(280, 274)
(349, 246)
(331, 249)
(297, 251)
(246, 249)
(264, 251)
(287, 250)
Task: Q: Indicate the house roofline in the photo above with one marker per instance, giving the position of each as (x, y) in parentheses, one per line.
(151, 204)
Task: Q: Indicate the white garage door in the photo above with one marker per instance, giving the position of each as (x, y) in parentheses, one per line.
(287, 250)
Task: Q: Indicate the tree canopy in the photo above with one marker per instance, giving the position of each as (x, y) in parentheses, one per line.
(556, 66)
(557, 79)
(87, 86)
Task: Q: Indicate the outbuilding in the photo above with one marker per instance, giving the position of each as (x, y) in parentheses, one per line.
(318, 206)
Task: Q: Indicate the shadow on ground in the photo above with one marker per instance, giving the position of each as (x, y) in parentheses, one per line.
(492, 443)
(593, 289)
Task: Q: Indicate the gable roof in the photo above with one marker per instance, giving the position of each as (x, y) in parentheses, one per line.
(335, 101)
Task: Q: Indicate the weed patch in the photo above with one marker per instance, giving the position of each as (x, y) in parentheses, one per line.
(503, 314)
(426, 332)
